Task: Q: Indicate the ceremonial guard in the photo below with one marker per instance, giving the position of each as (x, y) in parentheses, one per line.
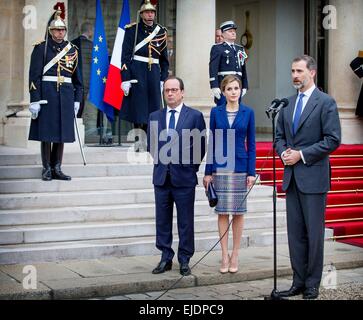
(55, 93)
(357, 67)
(227, 58)
(145, 66)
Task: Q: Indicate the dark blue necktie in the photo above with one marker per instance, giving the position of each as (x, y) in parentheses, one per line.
(172, 119)
(298, 111)
(171, 126)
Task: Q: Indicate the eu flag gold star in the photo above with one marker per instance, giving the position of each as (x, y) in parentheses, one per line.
(98, 72)
(104, 79)
(95, 60)
(96, 47)
(100, 38)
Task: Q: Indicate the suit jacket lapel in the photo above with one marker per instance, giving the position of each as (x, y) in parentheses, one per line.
(310, 106)
(223, 115)
(290, 112)
(239, 117)
(163, 119)
(182, 116)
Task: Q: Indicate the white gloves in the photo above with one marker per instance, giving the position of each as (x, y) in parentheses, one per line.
(244, 91)
(76, 107)
(161, 86)
(216, 92)
(34, 108)
(125, 86)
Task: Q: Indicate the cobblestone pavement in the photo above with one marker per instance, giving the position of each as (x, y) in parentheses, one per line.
(344, 284)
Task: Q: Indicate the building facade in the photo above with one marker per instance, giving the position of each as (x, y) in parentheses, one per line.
(276, 31)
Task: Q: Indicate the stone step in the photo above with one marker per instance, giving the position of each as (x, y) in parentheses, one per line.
(95, 249)
(8, 186)
(78, 170)
(116, 229)
(97, 197)
(115, 212)
(84, 184)
(123, 154)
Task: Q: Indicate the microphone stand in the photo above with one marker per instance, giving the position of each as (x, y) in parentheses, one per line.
(274, 294)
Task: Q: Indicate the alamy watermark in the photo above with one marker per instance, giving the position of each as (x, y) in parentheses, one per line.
(330, 277)
(330, 20)
(30, 18)
(168, 147)
(30, 280)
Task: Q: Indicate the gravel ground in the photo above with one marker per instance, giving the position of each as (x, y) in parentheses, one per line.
(351, 291)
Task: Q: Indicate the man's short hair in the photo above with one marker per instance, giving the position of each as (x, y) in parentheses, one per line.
(86, 27)
(310, 61)
(181, 83)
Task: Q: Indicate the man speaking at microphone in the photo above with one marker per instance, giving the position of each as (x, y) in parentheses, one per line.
(307, 131)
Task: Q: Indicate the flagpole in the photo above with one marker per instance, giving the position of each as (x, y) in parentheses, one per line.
(101, 126)
(119, 129)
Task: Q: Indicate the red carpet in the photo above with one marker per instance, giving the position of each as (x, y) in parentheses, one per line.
(344, 213)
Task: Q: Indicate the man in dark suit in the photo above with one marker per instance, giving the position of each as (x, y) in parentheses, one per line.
(308, 130)
(176, 140)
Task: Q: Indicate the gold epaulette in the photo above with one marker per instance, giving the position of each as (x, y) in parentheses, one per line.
(38, 42)
(130, 25)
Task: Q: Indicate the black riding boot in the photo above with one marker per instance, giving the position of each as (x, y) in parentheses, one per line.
(57, 155)
(45, 154)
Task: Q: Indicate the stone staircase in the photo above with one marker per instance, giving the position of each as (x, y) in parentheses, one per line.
(106, 210)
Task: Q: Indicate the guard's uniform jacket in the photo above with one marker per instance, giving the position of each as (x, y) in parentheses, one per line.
(149, 66)
(61, 86)
(357, 67)
(224, 60)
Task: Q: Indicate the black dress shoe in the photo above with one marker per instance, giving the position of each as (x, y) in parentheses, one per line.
(293, 291)
(162, 267)
(184, 269)
(311, 293)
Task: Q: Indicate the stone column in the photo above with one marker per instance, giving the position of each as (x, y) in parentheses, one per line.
(195, 27)
(344, 43)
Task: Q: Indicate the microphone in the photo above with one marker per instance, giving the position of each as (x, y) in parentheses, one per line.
(272, 106)
(283, 103)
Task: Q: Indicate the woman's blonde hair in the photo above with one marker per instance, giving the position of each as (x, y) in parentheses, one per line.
(228, 79)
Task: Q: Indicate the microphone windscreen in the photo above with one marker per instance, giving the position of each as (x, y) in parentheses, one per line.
(285, 102)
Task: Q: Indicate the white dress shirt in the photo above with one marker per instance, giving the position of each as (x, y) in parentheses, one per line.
(305, 99)
(177, 113)
(231, 44)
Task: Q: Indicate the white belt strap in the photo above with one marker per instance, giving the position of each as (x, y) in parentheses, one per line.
(147, 39)
(59, 56)
(224, 73)
(145, 59)
(56, 79)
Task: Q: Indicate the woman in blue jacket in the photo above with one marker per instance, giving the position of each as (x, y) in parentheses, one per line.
(231, 164)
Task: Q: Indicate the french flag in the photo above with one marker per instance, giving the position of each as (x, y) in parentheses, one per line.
(113, 93)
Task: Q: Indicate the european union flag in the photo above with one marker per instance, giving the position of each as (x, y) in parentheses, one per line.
(100, 64)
